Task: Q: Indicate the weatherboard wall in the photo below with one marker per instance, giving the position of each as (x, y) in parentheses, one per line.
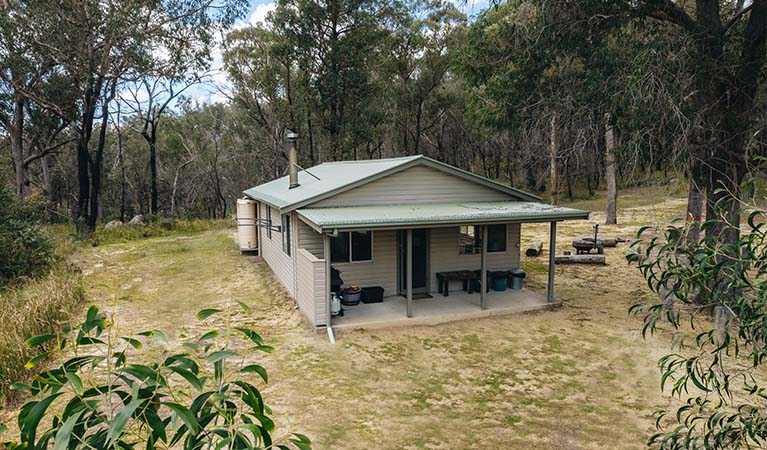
(417, 184)
(310, 286)
(444, 254)
(271, 250)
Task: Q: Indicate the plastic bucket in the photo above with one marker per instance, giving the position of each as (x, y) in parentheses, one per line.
(516, 277)
(499, 281)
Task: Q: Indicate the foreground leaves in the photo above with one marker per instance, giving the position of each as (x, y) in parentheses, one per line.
(714, 294)
(189, 400)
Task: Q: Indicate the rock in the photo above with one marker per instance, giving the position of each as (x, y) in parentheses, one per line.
(113, 224)
(137, 221)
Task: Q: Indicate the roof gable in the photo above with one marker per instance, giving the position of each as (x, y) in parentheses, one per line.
(336, 177)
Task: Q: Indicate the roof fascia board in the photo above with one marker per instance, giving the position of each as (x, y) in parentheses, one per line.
(308, 222)
(261, 199)
(438, 224)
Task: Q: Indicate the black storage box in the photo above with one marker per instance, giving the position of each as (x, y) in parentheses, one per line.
(373, 294)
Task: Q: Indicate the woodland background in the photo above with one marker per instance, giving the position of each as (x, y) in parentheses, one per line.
(97, 119)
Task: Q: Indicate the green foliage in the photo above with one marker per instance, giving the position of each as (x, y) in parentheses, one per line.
(34, 308)
(27, 247)
(194, 399)
(717, 365)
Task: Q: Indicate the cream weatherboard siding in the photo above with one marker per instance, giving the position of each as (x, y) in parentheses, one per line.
(418, 184)
(271, 250)
(444, 254)
(310, 285)
(309, 239)
(381, 271)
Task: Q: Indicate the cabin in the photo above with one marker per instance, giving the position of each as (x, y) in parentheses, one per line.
(421, 235)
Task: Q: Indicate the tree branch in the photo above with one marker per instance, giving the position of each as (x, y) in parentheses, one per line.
(668, 11)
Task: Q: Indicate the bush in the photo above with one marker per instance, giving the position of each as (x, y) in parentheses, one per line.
(195, 399)
(27, 247)
(36, 308)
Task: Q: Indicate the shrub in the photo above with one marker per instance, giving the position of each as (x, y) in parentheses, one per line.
(27, 247)
(195, 399)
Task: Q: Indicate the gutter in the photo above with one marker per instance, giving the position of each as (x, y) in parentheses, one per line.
(331, 227)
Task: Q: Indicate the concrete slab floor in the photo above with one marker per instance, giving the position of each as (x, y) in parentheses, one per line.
(439, 309)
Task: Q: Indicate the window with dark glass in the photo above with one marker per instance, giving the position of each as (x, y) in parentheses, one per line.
(470, 239)
(355, 246)
(285, 234)
(496, 238)
(362, 245)
(339, 248)
(268, 221)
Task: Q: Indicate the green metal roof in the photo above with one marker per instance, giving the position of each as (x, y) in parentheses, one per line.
(391, 216)
(336, 177)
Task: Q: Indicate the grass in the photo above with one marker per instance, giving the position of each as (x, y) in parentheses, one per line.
(578, 377)
(37, 307)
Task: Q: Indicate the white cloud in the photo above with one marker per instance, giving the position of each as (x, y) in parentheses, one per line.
(259, 14)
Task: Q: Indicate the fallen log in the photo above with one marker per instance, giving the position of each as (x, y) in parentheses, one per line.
(535, 249)
(580, 259)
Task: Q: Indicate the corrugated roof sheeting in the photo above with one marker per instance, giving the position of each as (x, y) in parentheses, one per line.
(435, 214)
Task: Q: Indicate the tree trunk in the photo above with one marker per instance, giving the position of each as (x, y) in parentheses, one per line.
(695, 202)
(553, 154)
(98, 160)
(16, 138)
(612, 190)
(121, 159)
(153, 167)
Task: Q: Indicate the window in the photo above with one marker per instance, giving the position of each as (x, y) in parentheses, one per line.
(496, 238)
(470, 239)
(339, 248)
(355, 246)
(285, 229)
(268, 221)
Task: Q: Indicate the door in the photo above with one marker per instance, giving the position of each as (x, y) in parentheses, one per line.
(420, 260)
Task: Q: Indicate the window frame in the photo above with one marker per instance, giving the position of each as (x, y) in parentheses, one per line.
(478, 239)
(505, 237)
(350, 248)
(285, 230)
(268, 221)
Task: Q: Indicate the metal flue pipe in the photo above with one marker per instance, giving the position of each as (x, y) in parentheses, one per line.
(293, 159)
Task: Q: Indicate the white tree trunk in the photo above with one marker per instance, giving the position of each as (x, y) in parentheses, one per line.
(553, 154)
(612, 190)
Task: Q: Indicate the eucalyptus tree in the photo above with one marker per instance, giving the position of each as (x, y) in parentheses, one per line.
(421, 46)
(265, 80)
(150, 101)
(32, 131)
(336, 43)
(98, 44)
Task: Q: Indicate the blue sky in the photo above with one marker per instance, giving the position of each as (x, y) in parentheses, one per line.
(213, 92)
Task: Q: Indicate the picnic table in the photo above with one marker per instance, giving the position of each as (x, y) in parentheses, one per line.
(443, 280)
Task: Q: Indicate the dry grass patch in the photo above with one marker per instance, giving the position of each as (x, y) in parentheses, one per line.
(580, 377)
(37, 307)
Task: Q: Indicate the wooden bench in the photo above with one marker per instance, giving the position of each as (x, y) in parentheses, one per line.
(443, 280)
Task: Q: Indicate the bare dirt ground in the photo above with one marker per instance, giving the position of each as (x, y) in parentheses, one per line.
(580, 377)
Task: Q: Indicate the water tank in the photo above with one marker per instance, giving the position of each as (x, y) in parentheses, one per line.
(246, 225)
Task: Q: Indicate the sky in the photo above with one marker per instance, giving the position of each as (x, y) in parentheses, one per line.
(214, 91)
